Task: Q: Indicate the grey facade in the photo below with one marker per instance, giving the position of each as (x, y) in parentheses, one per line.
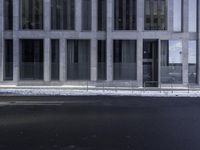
(92, 34)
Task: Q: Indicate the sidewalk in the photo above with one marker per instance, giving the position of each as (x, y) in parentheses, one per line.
(95, 91)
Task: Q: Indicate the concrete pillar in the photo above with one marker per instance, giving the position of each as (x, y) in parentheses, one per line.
(93, 60)
(63, 60)
(47, 15)
(170, 15)
(47, 48)
(16, 64)
(185, 61)
(93, 47)
(109, 41)
(140, 28)
(185, 40)
(198, 42)
(47, 60)
(78, 15)
(1, 40)
(16, 44)
(140, 62)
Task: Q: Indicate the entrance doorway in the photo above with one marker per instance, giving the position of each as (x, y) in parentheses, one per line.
(150, 63)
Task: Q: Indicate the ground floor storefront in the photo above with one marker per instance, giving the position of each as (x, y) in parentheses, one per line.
(152, 63)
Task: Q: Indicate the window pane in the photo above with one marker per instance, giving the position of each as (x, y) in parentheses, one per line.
(155, 15)
(125, 15)
(8, 14)
(192, 61)
(86, 14)
(8, 60)
(31, 61)
(101, 15)
(124, 53)
(177, 19)
(31, 15)
(171, 62)
(78, 60)
(101, 60)
(192, 15)
(62, 14)
(55, 59)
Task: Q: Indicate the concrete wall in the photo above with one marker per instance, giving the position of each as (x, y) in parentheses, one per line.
(93, 36)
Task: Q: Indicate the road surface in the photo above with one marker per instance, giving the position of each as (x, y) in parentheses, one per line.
(99, 123)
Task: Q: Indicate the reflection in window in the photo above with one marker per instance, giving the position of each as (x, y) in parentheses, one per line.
(31, 60)
(101, 15)
(177, 18)
(124, 53)
(192, 15)
(31, 15)
(192, 62)
(171, 62)
(101, 60)
(78, 60)
(86, 15)
(8, 60)
(62, 14)
(55, 59)
(8, 14)
(155, 15)
(125, 15)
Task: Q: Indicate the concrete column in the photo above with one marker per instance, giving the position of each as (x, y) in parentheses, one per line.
(93, 60)
(1, 40)
(185, 40)
(78, 15)
(198, 42)
(140, 15)
(140, 28)
(140, 62)
(16, 44)
(47, 48)
(47, 15)
(63, 60)
(109, 41)
(185, 61)
(170, 15)
(16, 64)
(47, 60)
(93, 47)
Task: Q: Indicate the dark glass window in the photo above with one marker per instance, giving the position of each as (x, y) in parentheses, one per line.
(55, 59)
(62, 14)
(8, 14)
(101, 60)
(8, 60)
(155, 15)
(31, 60)
(102, 15)
(78, 60)
(86, 14)
(125, 15)
(124, 60)
(31, 15)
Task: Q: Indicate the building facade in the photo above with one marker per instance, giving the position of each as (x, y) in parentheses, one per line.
(118, 42)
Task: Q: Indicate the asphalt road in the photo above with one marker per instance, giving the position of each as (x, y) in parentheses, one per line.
(99, 123)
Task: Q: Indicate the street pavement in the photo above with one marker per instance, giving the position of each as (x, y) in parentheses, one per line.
(99, 123)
